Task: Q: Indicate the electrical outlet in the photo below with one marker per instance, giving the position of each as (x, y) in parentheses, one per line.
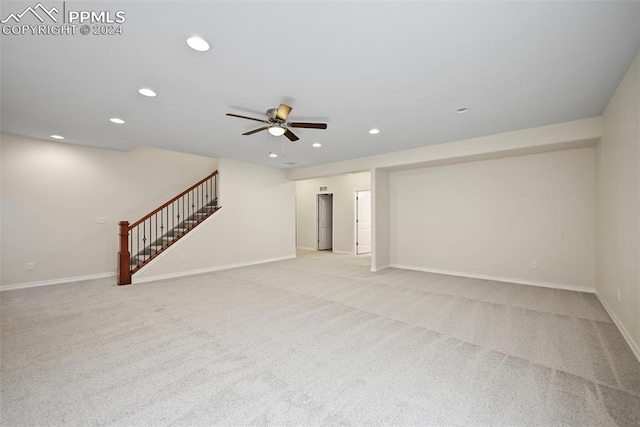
(31, 266)
(534, 264)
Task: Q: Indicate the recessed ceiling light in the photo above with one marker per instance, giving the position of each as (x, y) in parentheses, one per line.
(116, 120)
(273, 155)
(374, 131)
(462, 110)
(196, 43)
(316, 145)
(57, 137)
(147, 92)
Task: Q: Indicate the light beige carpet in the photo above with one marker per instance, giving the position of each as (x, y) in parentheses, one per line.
(317, 340)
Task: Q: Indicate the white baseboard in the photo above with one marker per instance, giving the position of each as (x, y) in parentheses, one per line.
(333, 251)
(377, 268)
(56, 281)
(207, 270)
(627, 337)
(562, 286)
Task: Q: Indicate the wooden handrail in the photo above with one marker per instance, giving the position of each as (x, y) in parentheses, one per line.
(155, 211)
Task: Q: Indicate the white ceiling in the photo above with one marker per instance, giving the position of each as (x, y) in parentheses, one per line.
(404, 67)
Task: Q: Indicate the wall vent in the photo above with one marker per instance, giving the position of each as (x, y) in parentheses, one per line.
(323, 188)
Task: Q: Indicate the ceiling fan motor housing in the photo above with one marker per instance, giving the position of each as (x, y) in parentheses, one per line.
(271, 114)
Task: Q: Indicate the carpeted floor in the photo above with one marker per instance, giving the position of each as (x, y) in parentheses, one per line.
(317, 340)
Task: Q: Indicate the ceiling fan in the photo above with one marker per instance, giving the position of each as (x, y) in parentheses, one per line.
(277, 125)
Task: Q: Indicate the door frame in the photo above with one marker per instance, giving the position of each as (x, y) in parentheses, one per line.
(318, 196)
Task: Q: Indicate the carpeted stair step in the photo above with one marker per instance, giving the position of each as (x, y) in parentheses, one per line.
(175, 232)
(150, 250)
(139, 259)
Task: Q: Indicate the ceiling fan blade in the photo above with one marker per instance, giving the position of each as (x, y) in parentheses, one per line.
(307, 125)
(283, 112)
(291, 136)
(245, 117)
(251, 132)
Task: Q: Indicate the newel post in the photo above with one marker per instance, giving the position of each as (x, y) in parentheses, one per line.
(124, 257)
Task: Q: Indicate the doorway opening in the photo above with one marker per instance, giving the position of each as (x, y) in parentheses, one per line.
(325, 222)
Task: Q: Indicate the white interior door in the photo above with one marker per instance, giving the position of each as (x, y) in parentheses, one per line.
(363, 222)
(325, 222)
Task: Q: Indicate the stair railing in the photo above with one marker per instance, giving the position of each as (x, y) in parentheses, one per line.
(149, 236)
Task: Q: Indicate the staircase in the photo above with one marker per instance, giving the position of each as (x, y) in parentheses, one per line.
(154, 233)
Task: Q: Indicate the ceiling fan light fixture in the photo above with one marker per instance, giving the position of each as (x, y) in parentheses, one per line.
(196, 43)
(374, 131)
(276, 130)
